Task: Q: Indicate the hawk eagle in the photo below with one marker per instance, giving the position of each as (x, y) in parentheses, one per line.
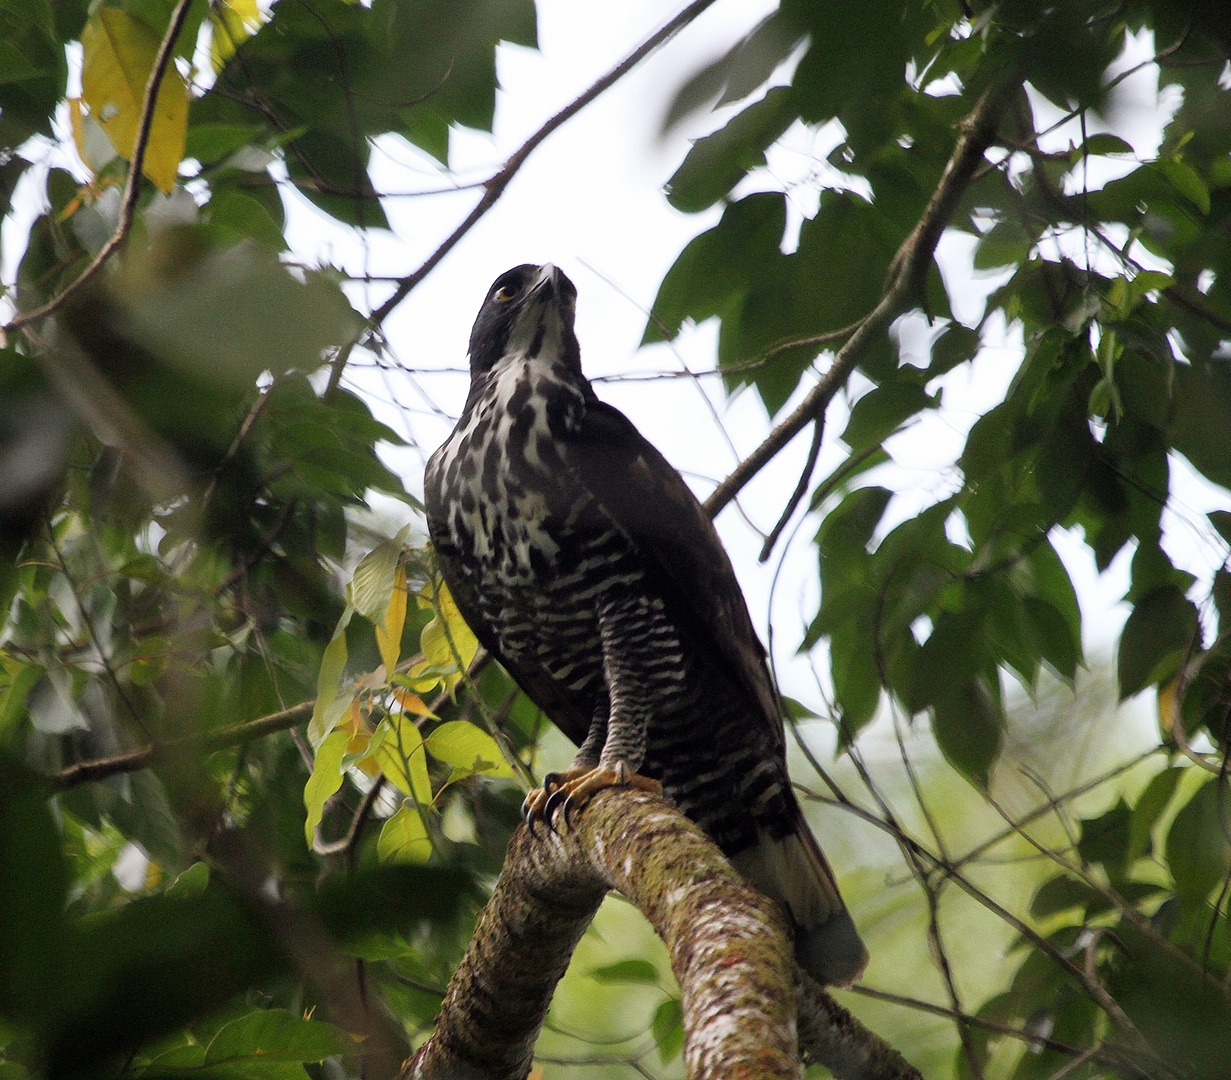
(584, 563)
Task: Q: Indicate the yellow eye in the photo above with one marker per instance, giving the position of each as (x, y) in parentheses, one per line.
(506, 292)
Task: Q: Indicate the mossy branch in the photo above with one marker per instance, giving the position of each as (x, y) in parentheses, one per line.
(729, 946)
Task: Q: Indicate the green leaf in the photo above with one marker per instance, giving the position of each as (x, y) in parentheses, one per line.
(399, 753)
(1187, 182)
(668, 1029)
(1003, 245)
(277, 1035)
(855, 676)
(1221, 520)
(718, 267)
(627, 971)
(1201, 419)
(328, 680)
(403, 838)
(847, 530)
(150, 968)
(1106, 143)
(20, 682)
(969, 730)
(1052, 637)
(395, 899)
(34, 880)
(192, 882)
(1151, 804)
(371, 587)
(1105, 839)
(1060, 894)
(465, 746)
(879, 413)
(957, 345)
(326, 778)
(225, 316)
(210, 143)
(1198, 852)
(716, 163)
(248, 217)
(1159, 633)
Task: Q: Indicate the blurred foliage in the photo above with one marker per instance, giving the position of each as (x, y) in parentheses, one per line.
(182, 497)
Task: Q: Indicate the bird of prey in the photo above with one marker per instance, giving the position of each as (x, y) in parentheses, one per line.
(585, 565)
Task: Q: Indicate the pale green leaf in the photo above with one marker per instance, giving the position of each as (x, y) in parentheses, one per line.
(399, 753)
(333, 663)
(326, 778)
(465, 746)
(371, 586)
(404, 837)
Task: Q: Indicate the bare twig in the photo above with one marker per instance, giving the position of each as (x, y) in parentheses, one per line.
(801, 488)
(132, 186)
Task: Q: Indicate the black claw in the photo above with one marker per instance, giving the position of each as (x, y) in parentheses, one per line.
(551, 781)
(553, 802)
(569, 806)
(531, 821)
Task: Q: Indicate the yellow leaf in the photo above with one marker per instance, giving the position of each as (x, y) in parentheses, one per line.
(404, 837)
(1168, 708)
(234, 22)
(399, 753)
(413, 703)
(389, 636)
(446, 641)
(326, 778)
(119, 54)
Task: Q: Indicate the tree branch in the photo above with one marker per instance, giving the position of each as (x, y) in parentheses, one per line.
(87, 771)
(132, 186)
(730, 952)
(907, 275)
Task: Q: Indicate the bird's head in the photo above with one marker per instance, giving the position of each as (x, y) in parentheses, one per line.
(528, 312)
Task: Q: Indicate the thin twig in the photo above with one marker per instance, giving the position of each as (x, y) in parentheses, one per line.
(1108, 1054)
(801, 488)
(132, 186)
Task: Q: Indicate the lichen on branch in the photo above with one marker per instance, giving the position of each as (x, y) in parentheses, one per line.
(730, 950)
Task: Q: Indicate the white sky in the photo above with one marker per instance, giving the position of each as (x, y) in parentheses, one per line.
(590, 200)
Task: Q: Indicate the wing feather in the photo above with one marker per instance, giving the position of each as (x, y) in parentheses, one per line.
(648, 499)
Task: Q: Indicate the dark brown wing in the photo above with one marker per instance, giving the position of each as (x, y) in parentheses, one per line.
(566, 712)
(650, 502)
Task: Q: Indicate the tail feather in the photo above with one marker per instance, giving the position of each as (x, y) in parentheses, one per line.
(792, 869)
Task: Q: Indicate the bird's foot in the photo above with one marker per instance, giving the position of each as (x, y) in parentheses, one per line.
(534, 808)
(569, 792)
